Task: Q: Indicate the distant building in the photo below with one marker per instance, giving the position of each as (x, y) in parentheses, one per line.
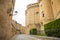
(17, 28)
(33, 17)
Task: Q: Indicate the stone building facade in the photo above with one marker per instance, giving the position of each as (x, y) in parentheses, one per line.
(56, 8)
(6, 10)
(32, 17)
(17, 28)
(47, 11)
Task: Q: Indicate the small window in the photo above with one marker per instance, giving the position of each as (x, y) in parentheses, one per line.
(37, 12)
(43, 15)
(42, 23)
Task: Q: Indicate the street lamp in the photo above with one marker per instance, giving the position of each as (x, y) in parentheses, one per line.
(15, 13)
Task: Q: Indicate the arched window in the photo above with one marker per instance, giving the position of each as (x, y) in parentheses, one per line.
(37, 12)
(43, 15)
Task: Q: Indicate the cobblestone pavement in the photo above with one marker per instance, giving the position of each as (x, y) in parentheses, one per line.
(23, 37)
(32, 37)
(45, 37)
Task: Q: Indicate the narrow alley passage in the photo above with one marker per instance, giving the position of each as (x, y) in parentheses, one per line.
(23, 37)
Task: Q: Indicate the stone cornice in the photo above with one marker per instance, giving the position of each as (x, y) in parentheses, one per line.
(33, 5)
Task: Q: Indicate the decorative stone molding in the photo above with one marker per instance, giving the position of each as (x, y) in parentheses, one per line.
(33, 5)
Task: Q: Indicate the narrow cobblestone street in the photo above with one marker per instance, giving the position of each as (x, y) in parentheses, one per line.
(32, 37)
(23, 37)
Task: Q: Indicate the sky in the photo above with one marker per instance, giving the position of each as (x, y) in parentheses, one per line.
(21, 6)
